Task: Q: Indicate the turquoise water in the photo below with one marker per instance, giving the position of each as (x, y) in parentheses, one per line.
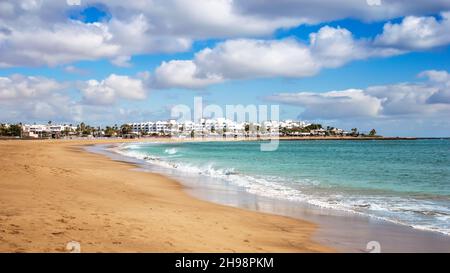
(402, 181)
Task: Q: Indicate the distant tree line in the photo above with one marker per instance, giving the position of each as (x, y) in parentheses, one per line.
(13, 130)
(329, 131)
(84, 130)
(306, 129)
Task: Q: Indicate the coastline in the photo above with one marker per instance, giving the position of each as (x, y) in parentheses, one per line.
(333, 225)
(53, 192)
(264, 138)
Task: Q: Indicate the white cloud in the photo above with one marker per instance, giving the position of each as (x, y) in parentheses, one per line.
(75, 70)
(246, 58)
(403, 100)
(18, 87)
(439, 76)
(54, 107)
(35, 98)
(202, 19)
(182, 74)
(330, 47)
(251, 58)
(349, 103)
(122, 61)
(417, 33)
(31, 98)
(334, 47)
(240, 59)
(115, 87)
(62, 44)
(244, 17)
(329, 10)
(440, 97)
(35, 32)
(34, 42)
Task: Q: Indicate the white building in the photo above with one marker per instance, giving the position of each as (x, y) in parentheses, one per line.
(224, 127)
(39, 130)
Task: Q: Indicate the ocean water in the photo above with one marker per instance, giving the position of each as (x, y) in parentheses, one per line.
(401, 181)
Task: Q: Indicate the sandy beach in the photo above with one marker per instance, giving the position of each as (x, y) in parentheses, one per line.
(54, 192)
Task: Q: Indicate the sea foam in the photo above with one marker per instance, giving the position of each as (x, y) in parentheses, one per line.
(406, 211)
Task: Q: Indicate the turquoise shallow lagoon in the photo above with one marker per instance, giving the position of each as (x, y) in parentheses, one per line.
(401, 181)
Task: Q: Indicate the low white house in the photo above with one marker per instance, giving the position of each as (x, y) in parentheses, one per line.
(38, 130)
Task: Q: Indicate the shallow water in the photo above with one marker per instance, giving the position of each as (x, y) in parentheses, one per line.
(401, 181)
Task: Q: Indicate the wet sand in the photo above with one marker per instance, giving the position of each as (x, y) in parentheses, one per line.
(53, 192)
(344, 231)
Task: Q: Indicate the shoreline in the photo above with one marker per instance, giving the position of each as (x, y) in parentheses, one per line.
(333, 224)
(281, 138)
(55, 192)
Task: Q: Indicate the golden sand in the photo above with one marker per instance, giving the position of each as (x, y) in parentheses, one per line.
(54, 192)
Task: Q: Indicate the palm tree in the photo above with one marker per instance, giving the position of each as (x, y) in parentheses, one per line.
(67, 131)
(15, 130)
(247, 129)
(2, 129)
(81, 128)
(125, 129)
(373, 132)
(109, 131)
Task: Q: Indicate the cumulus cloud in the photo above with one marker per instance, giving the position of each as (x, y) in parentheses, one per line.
(38, 38)
(72, 41)
(202, 19)
(115, 87)
(238, 18)
(24, 98)
(442, 96)
(313, 11)
(182, 74)
(252, 58)
(334, 104)
(401, 100)
(28, 97)
(18, 87)
(335, 45)
(440, 76)
(443, 79)
(404, 99)
(38, 32)
(245, 58)
(239, 59)
(35, 32)
(329, 47)
(417, 33)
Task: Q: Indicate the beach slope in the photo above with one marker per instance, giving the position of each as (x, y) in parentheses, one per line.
(54, 192)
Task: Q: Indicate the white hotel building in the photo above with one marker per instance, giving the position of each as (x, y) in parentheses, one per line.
(213, 127)
(205, 127)
(38, 130)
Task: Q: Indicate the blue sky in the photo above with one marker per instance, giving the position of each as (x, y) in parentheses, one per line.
(106, 62)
